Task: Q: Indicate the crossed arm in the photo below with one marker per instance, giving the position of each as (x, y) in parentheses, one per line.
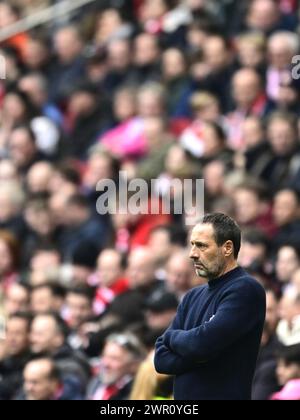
(179, 350)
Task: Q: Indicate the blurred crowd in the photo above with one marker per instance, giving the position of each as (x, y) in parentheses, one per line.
(161, 90)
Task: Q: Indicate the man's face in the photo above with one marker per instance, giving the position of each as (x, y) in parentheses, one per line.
(42, 300)
(208, 257)
(17, 299)
(17, 336)
(179, 275)
(109, 268)
(37, 384)
(116, 362)
(79, 308)
(43, 335)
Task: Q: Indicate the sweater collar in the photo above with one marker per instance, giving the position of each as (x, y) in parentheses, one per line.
(228, 276)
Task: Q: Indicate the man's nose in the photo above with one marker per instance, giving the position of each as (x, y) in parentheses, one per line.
(194, 254)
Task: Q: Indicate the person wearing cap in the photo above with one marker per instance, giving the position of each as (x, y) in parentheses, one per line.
(161, 309)
(213, 343)
(120, 360)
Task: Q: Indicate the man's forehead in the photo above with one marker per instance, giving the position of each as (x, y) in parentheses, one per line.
(202, 230)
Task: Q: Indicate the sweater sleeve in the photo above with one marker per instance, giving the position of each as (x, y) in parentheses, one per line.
(241, 309)
(166, 361)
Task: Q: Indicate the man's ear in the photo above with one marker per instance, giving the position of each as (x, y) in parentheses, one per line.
(228, 248)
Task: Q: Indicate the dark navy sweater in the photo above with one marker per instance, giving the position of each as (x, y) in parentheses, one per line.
(212, 345)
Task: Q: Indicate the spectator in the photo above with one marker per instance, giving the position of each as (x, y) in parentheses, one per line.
(16, 356)
(287, 263)
(17, 299)
(81, 226)
(48, 297)
(111, 277)
(288, 373)
(120, 360)
(69, 66)
(180, 274)
(42, 382)
(265, 381)
(48, 336)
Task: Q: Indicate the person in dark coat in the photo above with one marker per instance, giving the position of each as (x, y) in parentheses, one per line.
(212, 345)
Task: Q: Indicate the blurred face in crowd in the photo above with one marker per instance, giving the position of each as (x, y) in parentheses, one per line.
(79, 309)
(216, 54)
(124, 105)
(82, 103)
(179, 274)
(39, 177)
(213, 144)
(246, 87)
(117, 362)
(99, 167)
(247, 206)
(109, 23)
(286, 208)
(160, 321)
(7, 15)
(251, 52)
(35, 87)
(8, 171)
(251, 253)
(272, 316)
(17, 336)
(8, 207)
(44, 259)
(119, 55)
(6, 258)
(39, 219)
(35, 54)
(289, 307)
(209, 258)
(160, 245)
(280, 51)
(152, 9)
(44, 335)
(21, 147)
(214, 174)
(17, 299)
(253, 132)
(150, 102)
(287, 263)
(287, 371)
(38, 384)
(14, 108)
(176, 160)
(42, 300)
(282, 136)
(141, 268)
(67, 44)
(146, 51)
(173, 63)
(109, 267)
(263, 15)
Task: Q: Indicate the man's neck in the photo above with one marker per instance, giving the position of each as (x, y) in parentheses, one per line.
(229, 267)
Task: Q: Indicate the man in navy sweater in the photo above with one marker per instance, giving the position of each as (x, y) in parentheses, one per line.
(212, 345)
